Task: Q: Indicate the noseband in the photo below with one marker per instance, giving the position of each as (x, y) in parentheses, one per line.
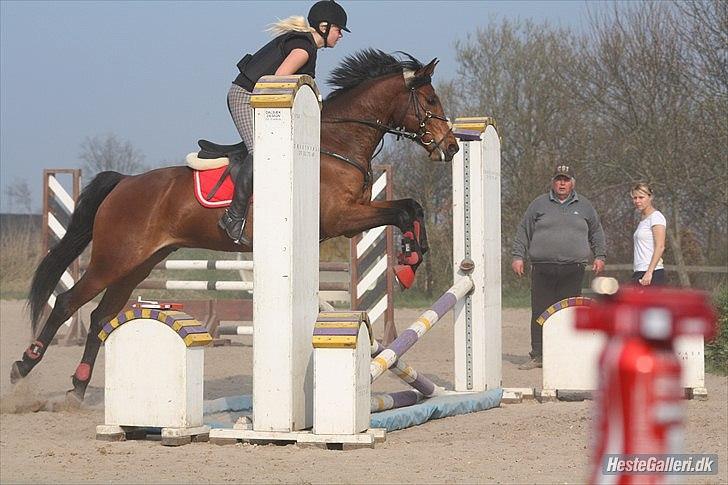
(422, 135)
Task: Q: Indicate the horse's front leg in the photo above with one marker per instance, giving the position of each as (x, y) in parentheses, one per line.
(413, 241)
(406, 214)
(415, 220)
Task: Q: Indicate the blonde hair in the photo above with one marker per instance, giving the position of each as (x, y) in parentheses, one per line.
(294, 23)
(641, 187)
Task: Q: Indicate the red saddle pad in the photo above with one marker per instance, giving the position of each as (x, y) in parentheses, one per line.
(205, 181)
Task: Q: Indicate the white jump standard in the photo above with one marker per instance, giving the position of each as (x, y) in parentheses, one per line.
(286, 262)
(479, 172)
(154, 376)
(475, 297)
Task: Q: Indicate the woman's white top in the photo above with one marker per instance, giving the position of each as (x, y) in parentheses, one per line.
(644, 241)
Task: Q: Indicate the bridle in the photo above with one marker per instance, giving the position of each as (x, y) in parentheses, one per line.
(422, 135)
(425, 137)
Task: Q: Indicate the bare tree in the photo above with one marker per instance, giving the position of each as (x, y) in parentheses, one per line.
(18, 195)
(512, 71)
(636, 78)
(106, 152)
(703, 27)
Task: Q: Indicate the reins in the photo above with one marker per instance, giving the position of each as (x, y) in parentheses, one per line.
(422, 134)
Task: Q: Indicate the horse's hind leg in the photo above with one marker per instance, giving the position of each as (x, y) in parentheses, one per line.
(111, 304)
(67, 303)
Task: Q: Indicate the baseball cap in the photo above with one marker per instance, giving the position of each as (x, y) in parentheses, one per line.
(563, 170)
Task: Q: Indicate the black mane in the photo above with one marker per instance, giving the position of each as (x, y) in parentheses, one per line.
(368, 64)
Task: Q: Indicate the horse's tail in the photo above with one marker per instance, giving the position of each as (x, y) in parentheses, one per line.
(70, 247)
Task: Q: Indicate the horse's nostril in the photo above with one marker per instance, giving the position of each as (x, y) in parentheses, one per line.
(452, 149)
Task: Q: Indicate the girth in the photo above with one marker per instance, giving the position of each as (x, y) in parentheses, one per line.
(367, 173)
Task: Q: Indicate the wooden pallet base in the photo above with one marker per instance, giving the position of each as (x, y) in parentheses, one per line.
(516, 395)
(569, 395)
(367, 439)
(169, 436)
(697, 393)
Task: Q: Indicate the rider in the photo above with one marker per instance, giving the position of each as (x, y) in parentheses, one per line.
(293, 51)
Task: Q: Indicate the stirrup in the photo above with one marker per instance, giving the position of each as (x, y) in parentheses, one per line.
(234, 228)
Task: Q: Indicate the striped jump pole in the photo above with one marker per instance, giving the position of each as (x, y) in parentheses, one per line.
(58, 206)
(422, 325)
(230, 265)
(217, 285)
(233, 265)
(206, 264)
(409, 375)
(394, 400)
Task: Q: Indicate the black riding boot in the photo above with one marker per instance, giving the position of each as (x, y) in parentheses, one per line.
(233, 220)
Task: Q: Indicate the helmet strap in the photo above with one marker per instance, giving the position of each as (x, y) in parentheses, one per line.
(324, 33)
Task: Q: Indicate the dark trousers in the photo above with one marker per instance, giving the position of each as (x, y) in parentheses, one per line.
(551, 283)
(658, 277)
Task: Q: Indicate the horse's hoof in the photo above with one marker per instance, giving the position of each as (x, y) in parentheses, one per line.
(15, 374)
(405, 275)
(73, 400)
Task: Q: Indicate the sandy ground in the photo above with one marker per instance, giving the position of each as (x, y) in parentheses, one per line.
(517, 443)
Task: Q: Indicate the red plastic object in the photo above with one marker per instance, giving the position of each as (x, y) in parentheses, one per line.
(405, 275)
(639, 405)
(624, 313)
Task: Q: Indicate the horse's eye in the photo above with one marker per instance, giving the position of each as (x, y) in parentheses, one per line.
(431, 100)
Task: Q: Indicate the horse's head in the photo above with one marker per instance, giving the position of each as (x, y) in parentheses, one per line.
(393, 95)
(423, 114)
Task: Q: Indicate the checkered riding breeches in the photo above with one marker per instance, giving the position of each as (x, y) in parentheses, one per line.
(238, 101)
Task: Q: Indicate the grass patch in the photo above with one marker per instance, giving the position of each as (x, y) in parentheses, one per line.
(716, 351)
(414, 298)
(19, 255)
(516, 297)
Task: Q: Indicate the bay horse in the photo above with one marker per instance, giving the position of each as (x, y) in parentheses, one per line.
(137, 221)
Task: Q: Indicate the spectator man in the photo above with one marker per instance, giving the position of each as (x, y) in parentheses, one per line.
(559, 232)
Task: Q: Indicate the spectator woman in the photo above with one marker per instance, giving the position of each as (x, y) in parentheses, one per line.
(649, 239)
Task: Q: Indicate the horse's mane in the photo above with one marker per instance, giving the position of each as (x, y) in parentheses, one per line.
(368, 64)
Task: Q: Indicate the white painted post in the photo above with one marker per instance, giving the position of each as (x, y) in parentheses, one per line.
(152, 378)
(286, 250)
(690, 349)
(477, 236)
(566, 370)
(570, 356)
(154, 367)
(342, 386)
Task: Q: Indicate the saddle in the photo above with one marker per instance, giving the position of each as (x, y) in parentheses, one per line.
(215, 161)
(213, 155)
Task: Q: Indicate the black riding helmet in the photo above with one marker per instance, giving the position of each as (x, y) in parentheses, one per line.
(327, 11)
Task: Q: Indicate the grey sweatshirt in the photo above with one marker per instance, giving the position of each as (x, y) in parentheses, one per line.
(554, 232)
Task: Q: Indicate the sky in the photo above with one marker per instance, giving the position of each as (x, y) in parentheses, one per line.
(156, 73)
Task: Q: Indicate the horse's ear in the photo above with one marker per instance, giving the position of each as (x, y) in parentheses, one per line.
(427, 70)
